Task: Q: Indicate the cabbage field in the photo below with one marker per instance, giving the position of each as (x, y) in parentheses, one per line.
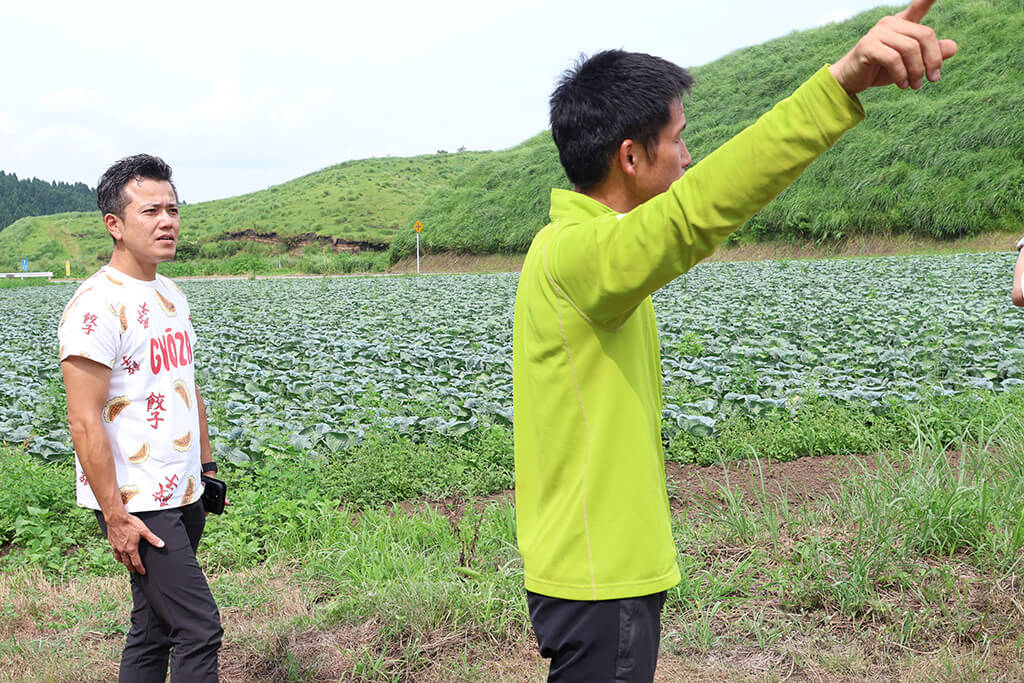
(320, 362)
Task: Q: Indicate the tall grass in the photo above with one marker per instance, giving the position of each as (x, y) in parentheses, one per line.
(921, 545)
(947, 497)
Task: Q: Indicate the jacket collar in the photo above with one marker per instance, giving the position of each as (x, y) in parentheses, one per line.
(575, 205)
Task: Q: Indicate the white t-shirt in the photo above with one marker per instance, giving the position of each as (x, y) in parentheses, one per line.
(143, 332)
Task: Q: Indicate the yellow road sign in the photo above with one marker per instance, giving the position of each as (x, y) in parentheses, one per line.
(418, 226)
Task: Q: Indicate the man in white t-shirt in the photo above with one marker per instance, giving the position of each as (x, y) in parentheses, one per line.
(138, 423)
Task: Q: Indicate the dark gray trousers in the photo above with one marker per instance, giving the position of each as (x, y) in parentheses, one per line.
(600, 641)
(174, 615)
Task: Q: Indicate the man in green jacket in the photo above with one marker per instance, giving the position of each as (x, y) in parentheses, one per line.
(592, 511)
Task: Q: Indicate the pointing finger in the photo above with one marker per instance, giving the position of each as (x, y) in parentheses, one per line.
(917, 10)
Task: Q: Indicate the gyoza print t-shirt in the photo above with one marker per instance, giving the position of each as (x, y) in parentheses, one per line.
(143, 332)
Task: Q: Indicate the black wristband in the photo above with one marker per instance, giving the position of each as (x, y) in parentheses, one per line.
(209, 466)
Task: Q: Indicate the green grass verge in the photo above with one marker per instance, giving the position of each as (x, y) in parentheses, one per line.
(823, 426)
(283, 491)
(257, 259)
(18, 283)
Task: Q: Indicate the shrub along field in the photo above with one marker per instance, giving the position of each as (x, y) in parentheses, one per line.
(363, 426)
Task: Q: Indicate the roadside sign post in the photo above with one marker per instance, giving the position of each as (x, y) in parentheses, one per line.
(24, 265)
(67, 269)
(418, 226)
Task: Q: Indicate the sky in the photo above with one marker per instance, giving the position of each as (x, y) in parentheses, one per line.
(238, 97)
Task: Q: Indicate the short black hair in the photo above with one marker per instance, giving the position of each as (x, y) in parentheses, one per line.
(609, 97)
(110, 196)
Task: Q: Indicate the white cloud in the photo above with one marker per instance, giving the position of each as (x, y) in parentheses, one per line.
(68, 101)
(836, 15)
(66, 147)
(7, 126)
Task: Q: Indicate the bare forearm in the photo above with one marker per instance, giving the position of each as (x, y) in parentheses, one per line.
(93, 449)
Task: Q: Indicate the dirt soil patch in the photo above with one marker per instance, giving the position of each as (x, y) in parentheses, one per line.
(805, 480)
(297, 242)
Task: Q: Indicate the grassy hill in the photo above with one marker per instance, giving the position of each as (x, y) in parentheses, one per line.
(946, 161)
(943, 162)
(493, 206)
(306, 224)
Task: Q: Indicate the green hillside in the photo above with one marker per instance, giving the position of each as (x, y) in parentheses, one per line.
(946, 161)
(493, 206)
(304, 224)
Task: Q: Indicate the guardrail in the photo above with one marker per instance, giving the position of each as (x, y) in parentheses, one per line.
(46, 275)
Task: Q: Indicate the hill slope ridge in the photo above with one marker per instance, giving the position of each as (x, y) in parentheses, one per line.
(946, 161)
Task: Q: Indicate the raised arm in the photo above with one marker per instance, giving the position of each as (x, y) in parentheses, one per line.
(606, 271)
(609, 266)
(87, 383)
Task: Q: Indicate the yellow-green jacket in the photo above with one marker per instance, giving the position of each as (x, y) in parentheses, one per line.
(591, 507)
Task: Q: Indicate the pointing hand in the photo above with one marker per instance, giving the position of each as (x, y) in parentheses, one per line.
(898, 49)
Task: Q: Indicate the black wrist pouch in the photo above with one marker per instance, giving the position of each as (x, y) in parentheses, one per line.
(214, 494)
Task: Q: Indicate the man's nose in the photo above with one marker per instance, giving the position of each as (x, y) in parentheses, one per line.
(685, 159)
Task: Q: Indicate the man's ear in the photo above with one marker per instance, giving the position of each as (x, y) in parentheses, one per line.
(627, 157)
(114, 226)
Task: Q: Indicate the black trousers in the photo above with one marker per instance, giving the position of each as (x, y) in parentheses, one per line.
(173, 614)
(598, 641)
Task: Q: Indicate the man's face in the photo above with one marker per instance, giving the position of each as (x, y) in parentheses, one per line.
(655, 172)
(149, 230)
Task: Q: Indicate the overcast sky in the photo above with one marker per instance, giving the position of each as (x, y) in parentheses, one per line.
(241, 96)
